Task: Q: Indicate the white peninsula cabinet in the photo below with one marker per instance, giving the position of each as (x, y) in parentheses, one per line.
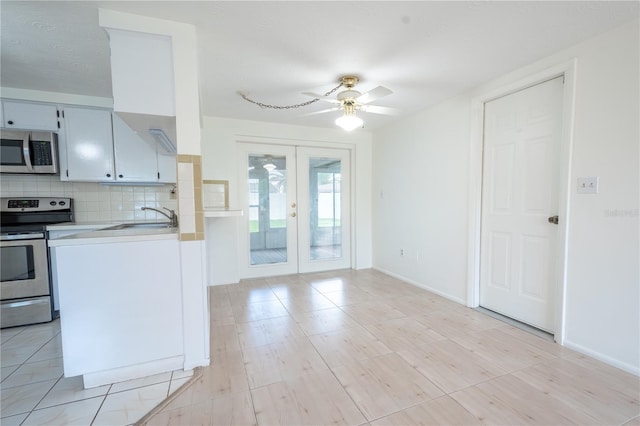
(29, 115)
(120, 305)
(89, 145)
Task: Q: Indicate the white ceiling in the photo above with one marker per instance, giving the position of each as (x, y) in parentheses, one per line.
(424, 51)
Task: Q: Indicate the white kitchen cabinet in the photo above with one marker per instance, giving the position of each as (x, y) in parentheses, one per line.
(121, 308)
(138, 159)
(135, 158)
(29, 115)
(88, 145)
(59, 231)
(167, 167)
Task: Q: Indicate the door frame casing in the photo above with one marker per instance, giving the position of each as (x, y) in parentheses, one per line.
(568, 70)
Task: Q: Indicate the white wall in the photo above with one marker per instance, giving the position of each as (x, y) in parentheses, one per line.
(421, 168)
(219, 162)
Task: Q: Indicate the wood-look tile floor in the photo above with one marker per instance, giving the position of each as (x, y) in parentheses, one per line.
(360, 347)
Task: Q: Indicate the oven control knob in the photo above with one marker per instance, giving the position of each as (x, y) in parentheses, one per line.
(52, 203)
(62, 203)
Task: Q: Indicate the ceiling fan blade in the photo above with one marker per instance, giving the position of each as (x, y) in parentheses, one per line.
(322, 97)
(380, 110)
(321, 112)
(373, 94)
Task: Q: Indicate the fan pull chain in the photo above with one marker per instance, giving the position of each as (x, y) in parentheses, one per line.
(303, 104)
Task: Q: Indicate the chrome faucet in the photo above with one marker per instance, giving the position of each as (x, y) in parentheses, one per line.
(172, 216)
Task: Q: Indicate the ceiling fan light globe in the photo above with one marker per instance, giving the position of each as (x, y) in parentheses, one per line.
(349, 122)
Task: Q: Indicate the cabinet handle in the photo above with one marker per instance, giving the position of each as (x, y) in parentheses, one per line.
(108, 174)
(10, 122)
(120, 176)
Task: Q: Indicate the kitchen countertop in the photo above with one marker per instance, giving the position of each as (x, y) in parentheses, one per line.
(67, 226)
(103, 236)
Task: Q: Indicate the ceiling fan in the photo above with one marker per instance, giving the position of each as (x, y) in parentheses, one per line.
(351, 100)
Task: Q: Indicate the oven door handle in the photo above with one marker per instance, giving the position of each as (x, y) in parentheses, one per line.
(26, 151)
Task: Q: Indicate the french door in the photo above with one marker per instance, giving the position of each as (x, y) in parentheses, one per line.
(296, 209)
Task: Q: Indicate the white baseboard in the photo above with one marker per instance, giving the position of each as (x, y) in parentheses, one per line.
(635, 370)
(423, 286)
(131, 372)
(199, 363)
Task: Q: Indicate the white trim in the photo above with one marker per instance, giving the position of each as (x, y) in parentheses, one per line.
(568, 70)
(130, 372)
(55, 97)
(629, 368)
(292, 142)
(420, 285)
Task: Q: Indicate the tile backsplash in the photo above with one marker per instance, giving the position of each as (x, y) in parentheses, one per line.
(94, 202)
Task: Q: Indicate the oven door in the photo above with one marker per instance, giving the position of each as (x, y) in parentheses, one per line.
(24, 268)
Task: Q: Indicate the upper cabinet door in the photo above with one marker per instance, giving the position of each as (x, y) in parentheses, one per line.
(167, 166)
(89, 142)
(29, 116)
(135, 157)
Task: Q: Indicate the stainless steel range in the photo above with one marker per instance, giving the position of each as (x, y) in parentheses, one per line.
(25, 285)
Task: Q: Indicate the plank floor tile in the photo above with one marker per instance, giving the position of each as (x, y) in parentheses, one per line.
(385, 384)
(508, 400)
(280, 361)
(348, 344)
(314, 399)
(439, 411)
(404, 333)
(451, 366)
(359, 347)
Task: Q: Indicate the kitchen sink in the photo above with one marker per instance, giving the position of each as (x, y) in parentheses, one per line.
(140, 225)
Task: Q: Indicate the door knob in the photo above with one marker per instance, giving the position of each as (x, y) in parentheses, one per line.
(293, 205)
(293, 214)
(553, 219)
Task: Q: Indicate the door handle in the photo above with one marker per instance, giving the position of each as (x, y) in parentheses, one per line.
(553, 219)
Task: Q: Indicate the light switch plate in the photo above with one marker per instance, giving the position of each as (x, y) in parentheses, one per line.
(588, 185)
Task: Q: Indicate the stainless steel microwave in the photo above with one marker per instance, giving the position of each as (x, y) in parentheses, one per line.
(23, 151)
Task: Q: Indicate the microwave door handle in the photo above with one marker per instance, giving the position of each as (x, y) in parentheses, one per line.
(27, 152)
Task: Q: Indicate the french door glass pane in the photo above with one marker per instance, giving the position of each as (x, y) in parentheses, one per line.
(268, 209)
(324, 208)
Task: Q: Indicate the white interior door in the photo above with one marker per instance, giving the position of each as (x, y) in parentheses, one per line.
(519, 196)
(296, 204)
